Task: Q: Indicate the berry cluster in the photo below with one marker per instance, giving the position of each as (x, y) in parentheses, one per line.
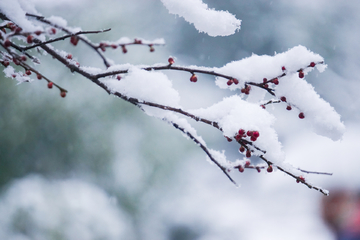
(258, 168)
(74, 40)
(246, 89)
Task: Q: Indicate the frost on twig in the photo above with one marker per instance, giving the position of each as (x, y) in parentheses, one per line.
(256, 82)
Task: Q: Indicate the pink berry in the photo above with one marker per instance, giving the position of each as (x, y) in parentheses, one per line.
(258, 169)
(283, 99)
(171, 61)
(301, 115)
(50, 84)
(193, 78)
(312, 64)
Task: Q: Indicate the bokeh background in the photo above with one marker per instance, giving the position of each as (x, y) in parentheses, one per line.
(91, 166)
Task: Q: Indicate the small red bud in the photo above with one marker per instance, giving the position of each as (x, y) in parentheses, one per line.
(114, 46)
(50, 85)
(39, 76)
(230, 82)
(152, 49)
(247, 163)
(253, 138)
(248, 154)
(69, 56)
(265, 80)
(258, 169)
(228, 139)
(74, 40)
(269, 169)
(242, 149)
(249, 133)
(236, 81)
(312, 64)
(301, 115)
(275, 81)
(118, 77)
(5, 63)
(136, 41)
(7, 43)
(23, 58)
(124, 50)
(256, 134)
(63, 94)
(52, 31)
(300, 179)
(241, 132)
(238, 137)
(38, 32)
(171, 61)
(16, 62)
(288, 107)
(29, 39)
(283, 68)
(301, 74)
(18, 29)
(283, 99)
(28, 72)
(241, 169)
(266, 85)
(263, 106)
(193, 78)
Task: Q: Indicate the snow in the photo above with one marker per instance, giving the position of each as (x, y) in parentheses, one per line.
(210, 21)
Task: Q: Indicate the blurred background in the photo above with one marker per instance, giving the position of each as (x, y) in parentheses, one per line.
(91, 166)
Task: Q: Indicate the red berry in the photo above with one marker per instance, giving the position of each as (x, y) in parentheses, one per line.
(288, 107)
(37, 32)
(18, 29)
(263, 106)
(152, 49)
(238, 137)
(69, 56)
(247, 163)
(39, 76)
(256, 134)
(265, 80)
(124, 50)
(5, 63)
(243, 90)
(312, 64)
(266, 85)
(23, 58)
(7, 43)
(50, 84)
(258, 169)
(230, 82)
(269, 169)
(29, 39)
(249, 133)
(253, 138)
(74, 40)
(283, 99)
(236, 81)
(114, 46)
(300, 179)
(193, 78)
(28, 72)
(136, 41)
(301, 74)
(242, 149)
(63, 94)
(248, 154)
(171, 61)
(241, 169)
(241, 132)
(301, 115)
(118, 77)
(283, 68)
(275, 81)
(16, 62)
(52, 31)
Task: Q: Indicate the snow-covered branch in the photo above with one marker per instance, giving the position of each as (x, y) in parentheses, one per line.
(257, 81)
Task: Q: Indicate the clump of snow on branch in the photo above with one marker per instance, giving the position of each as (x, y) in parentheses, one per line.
(233, 114)
(214, 23)
(323, 118)
(145, 86)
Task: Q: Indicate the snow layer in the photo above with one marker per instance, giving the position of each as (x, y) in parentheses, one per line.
(214, 23)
